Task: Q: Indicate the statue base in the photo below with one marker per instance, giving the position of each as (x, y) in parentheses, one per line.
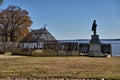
(95, 47)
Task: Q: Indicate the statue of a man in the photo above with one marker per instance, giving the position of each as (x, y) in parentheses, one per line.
(94, 25)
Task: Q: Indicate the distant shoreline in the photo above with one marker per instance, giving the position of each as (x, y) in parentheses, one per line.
(88, 39)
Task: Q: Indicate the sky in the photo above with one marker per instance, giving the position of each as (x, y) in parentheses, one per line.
(72, 19)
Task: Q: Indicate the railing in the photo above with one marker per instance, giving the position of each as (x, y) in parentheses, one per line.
(54, 45)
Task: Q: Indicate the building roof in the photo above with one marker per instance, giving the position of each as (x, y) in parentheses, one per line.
(38, 35)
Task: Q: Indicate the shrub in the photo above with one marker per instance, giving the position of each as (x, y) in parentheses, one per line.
(2, 52)
(18, 51)
(44, 53)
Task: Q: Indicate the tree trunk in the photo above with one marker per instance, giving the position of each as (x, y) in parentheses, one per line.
(6, 39)
(11, 37)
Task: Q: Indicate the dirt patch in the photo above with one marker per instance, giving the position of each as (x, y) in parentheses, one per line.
(27, 78)
(9, 56)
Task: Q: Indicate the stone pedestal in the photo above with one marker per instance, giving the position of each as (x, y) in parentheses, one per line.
(95, 47)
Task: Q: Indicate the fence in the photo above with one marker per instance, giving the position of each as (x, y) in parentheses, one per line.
(60, 48)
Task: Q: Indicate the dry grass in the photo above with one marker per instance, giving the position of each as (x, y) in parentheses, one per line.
(70, 67)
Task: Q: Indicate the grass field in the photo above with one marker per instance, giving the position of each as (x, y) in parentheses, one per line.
(61, 67)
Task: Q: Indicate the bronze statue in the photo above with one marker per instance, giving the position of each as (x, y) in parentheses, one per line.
(94, 25)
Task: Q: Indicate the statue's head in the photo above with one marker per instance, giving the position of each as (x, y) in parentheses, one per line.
(94, 21)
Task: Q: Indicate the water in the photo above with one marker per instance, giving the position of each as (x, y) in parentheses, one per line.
(114, 43)
(115, 46)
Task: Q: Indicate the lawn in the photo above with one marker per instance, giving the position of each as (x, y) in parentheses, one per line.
(60, 67)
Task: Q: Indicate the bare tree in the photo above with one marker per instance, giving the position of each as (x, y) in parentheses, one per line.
(14, 23)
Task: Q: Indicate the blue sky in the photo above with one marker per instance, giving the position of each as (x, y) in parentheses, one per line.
(72, 19)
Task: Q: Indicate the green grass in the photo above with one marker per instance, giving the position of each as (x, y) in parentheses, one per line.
(61, 67)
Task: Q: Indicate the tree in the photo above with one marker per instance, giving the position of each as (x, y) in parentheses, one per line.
(1, 1)
(14, 23)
